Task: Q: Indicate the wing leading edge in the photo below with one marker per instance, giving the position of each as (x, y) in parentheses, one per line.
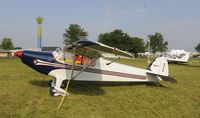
(101, 48)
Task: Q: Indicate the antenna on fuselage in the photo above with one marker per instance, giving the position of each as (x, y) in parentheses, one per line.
(148, 58)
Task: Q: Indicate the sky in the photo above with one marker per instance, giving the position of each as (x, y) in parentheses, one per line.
(177, 20)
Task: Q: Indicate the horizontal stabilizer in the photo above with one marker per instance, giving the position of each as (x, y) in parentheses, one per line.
(168, 78)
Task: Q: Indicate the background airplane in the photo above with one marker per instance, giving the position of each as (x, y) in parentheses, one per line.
(177, 56)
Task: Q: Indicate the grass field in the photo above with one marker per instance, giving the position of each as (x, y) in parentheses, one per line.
(24, 93)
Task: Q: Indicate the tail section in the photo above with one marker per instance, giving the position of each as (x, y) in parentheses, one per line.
(159, 67)
(186, 57)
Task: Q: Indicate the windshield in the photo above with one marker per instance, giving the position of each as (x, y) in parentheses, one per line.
(57, 52)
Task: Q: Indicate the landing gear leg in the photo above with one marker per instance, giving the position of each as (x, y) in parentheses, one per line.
(56, 89)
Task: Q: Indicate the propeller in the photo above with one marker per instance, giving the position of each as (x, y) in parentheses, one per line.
(18, 53)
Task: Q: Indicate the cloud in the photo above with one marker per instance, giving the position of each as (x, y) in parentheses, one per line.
(173, 1)
(112, 19)
(94, 29)
(124, 14)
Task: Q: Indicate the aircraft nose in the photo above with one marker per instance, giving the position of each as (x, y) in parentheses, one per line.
(19, 53)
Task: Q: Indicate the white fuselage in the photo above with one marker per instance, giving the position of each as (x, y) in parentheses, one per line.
(102, 71)
(174, 58)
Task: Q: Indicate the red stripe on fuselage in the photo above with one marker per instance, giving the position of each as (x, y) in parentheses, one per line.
(91, 70)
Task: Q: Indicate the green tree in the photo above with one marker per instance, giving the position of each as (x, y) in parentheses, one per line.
(116, 38)
(74, 33)
(7, 44)
(137, 45)
(157, 43)
(197, 48)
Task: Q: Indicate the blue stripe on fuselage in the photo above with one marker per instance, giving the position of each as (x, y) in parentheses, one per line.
(28, 58)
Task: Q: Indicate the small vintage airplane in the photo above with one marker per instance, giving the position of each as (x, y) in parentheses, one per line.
(177, 56)
(83, 61)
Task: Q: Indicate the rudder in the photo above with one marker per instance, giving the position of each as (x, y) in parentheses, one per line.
(159, 67)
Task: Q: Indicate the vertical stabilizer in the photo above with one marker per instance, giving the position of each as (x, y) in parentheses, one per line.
(159, 67)
(186, 57)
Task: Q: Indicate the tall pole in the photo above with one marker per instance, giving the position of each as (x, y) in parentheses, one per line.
(39, 31)
(148, 61)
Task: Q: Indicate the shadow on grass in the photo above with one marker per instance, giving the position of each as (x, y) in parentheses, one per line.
(91, 88)
(94, 88)
(75, 87)
(193, 65)
(188, 64)
(40, 83)
(85, 88)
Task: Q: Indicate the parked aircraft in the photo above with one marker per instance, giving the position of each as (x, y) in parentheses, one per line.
(177, 56)
(83, 61)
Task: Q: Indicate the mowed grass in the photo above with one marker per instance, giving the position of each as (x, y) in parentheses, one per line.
(24, 93)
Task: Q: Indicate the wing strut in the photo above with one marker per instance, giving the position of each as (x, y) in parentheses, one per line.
(85, 68)
(71, 75)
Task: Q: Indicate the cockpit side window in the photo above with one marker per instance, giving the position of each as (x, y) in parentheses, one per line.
(80, 59)
(84, 56)
(57, 52)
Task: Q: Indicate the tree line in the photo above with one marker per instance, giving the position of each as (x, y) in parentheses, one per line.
(6, 44)
(116, 38)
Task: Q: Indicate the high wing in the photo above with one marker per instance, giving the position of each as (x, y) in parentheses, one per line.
(100, 48)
